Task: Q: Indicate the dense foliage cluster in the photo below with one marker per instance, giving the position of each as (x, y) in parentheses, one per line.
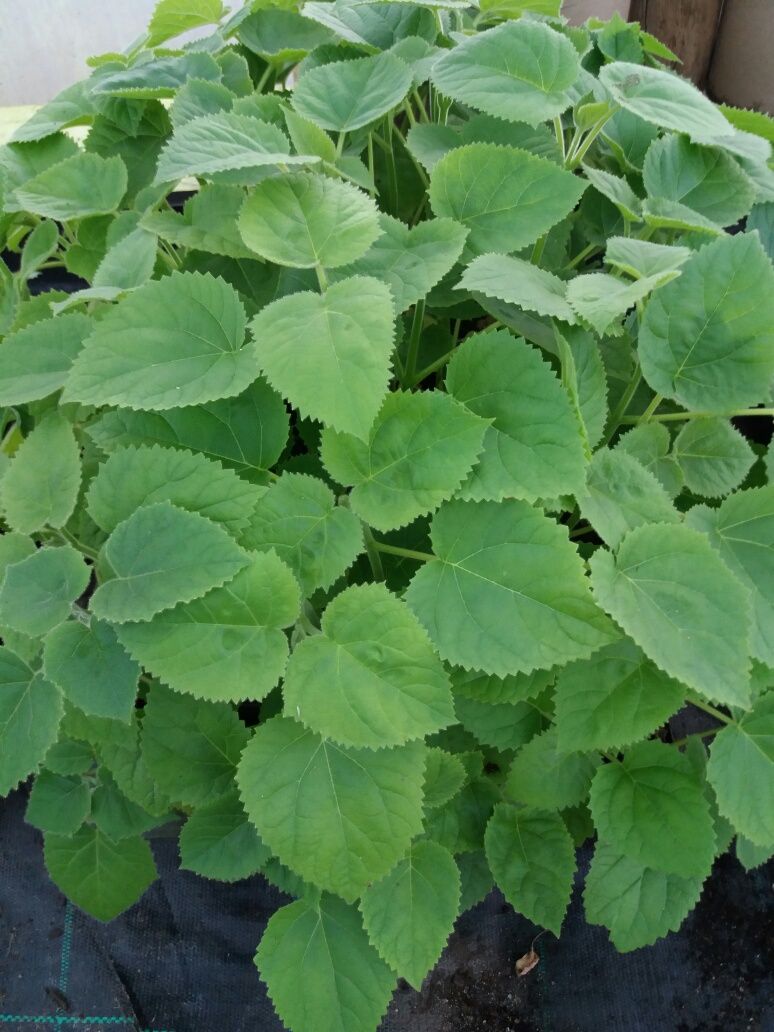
(375, 511)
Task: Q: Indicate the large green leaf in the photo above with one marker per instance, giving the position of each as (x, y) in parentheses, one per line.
(40, 487)
(713, 456)
(506, 197)
(613, 699)
(227, 645)
(306, 220)
(533, 448)
(707, 339)
(299, 519)
(217, 841)
(507, 592)
(650, 806)
(741, 771)
(91, 668)
(410, 913)
(520, 71)
(677, 599)
(543, 777)
(30, 712)
(72, 106)
(346, 95)
(162, 555)
(100, 876)
(533, 862)
(37, 592)
(321, 945)
(637, 904)
(171, 17)
(176, 341)
(330, 353)
(58, 803)
(518, 282)
(191, 747)
(341, 818)
(36, 360)
(281, 35)
(419, 451)
(371, 679)
(84, 184)
(133, 477)
(154, 77)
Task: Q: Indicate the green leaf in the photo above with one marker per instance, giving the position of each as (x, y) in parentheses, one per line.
(156, 78)
(69, 757)
(620, 494)
(30, 712)
(174, 342)
(305, 220)
(705, 179)
(91, 668)
(741, 771)
(127, 264)
(37, 359)
(601, 299)
(172, 17)
(40, 487)
(247, 433)
(543, 777)
(73, 106)
(742, 529)
(444, 777)
(659, 213)
(191, 748)
(707, 339)
(307, 138)
(664, 99)
(671, 592)
(518, 283)
(643, 258)
(279, 35)
(477, 881)
(751, 856)
(371, 679)
(321, 945)
(617, 191)
(39, 246)
(227, 645)
(533, 448)
(650, 807)
(134, 477)
(520, 71)
(410, 913)
(346, 95)
(341, 818)
(713, 456)
(492, 690)
(637, 904)
(114, 814)
(532, 858)
(411, 260)
(649, 444)
(162, 555)
(218, 841)
(616, 697)
(507, 593)
(100, 876)
(58, 804)
(37, 593)
(199, 97)
(501, 725)
(225, 142)
(506, 197)
(329, 353)
(419, 451)
(208, 222)
(84, 184)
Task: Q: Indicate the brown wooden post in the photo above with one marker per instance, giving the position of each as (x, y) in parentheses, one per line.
(688, 27)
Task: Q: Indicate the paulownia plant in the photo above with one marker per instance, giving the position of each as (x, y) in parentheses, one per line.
(375, 511)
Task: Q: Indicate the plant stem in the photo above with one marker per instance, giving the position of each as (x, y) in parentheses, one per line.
(430, 369)
(674, 417)
(618, 416)
(713, 712)
(537, 250)
(371, 176)
(72, 540)
(420, 104)
(696, 734)
(559, 131)
(340, 145)
(420, 171)
(581, 256)
(372, 551)
(322, 279)
(647, 415)
(264, 78)
(413, 348)
(406, 553)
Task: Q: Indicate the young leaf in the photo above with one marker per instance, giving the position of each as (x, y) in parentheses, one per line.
(127, 264)
(643, 258)
(649, 444)
(533, 448)
(543, 777)
(37, 592)
(218, 841)
(506, 197)
(346, 95)
(299, 519)
(330, 353)
(321, 944)
(383, 684)
(307, 220)
(677, 599)
(601, 299)
(37, 359)
(82, 185)
(419, 451)
(444, 777)
(162, 555)
(100, 876)
(713, 456)
(518, 283)
(40, 487)
(208, 222)
(410, 913)
(94, 673)
(520, 70)
(650, 807)
(58, 804)
(617, 191)
(172, 17)
(707, 339)
(533, 862)
(507, 592)
(501, 725)
(199, 97)
(227, 645)
(341, 818)
(30, 712)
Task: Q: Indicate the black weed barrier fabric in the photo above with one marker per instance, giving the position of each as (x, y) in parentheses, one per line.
(181, 960)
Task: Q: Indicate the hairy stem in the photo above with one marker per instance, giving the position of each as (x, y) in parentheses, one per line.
(413, 347)
(406, 553)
